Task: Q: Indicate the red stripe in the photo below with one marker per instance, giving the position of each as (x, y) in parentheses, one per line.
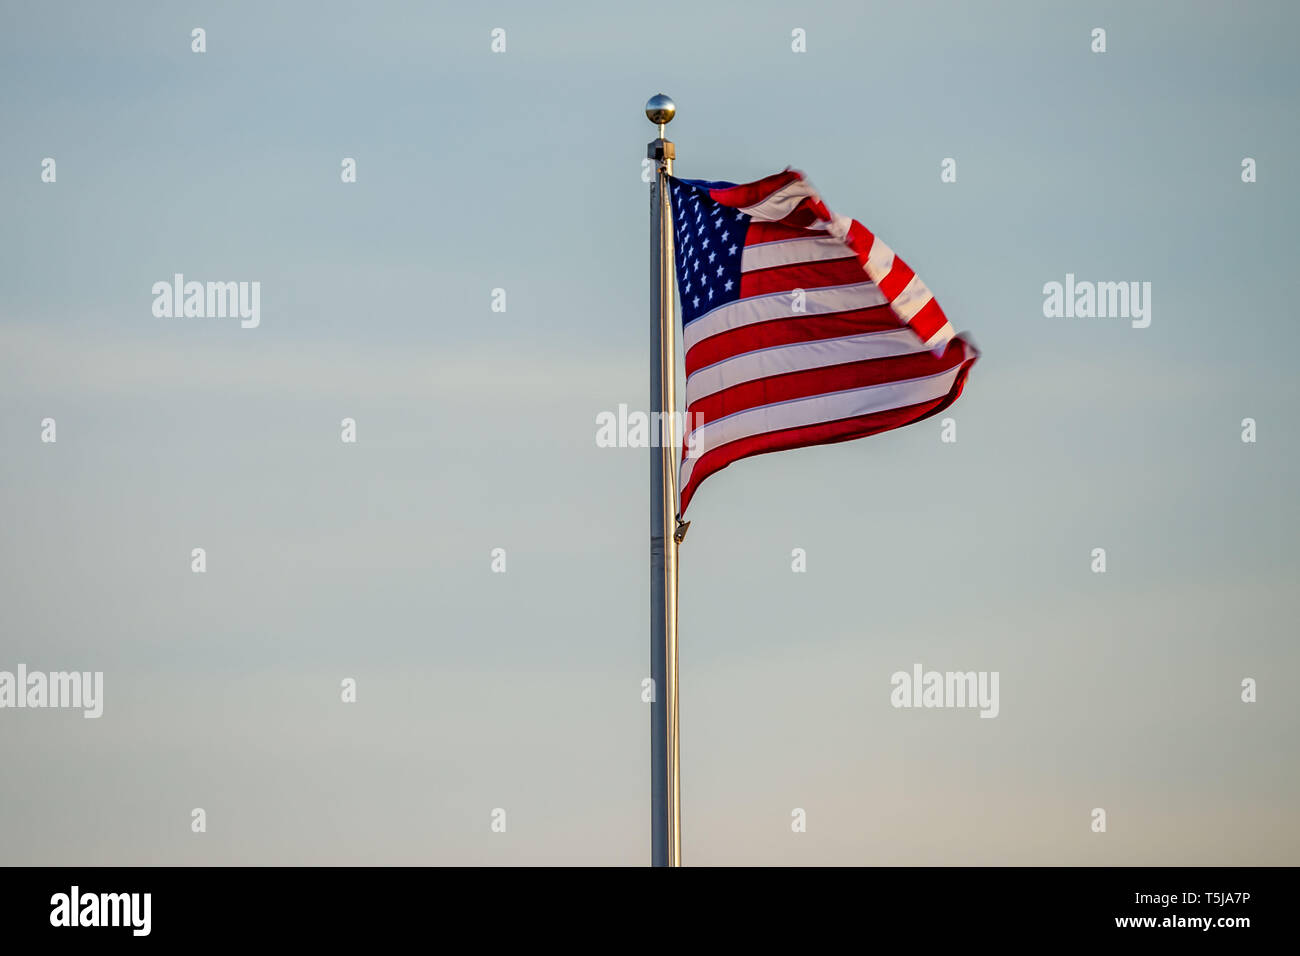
(859, 239)
(821, 434)
(787, 331)
(750, 194)
(801, 275)
(806, 212)
(788, 386)
(929, 320)
(897, 279)
(814, 206)
(760, 231)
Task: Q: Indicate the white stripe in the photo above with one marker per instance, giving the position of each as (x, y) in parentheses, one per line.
(785, 252)
(912, 299)
(839, 226)
(778, 305)
(798, 357)
(880, 260)
(941, 338)
(814, 410)
(780, 203)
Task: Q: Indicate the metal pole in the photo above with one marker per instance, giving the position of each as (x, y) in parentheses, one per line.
(665, 783)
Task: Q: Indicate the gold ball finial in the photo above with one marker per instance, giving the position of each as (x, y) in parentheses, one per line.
(659, 109)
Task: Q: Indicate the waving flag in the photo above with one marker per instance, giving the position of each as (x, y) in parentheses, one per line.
(800, 328)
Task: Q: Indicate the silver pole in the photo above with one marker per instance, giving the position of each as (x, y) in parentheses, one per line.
(665, 781)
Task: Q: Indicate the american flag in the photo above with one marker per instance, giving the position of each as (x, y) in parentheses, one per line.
(800, 328)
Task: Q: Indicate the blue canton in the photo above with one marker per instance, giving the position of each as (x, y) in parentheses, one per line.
(709, 239)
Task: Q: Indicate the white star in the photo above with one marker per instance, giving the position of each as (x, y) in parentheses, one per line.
(732, 250)
(728, 285)
(710, 295)
(712, 256)
(724, 236)
(719, 271)
(695, 302)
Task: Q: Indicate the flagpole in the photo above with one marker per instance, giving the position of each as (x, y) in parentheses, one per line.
(665, 781)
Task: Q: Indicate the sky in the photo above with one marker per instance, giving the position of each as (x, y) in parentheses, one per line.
(520, 691)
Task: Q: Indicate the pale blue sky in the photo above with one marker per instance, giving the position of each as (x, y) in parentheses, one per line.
(476, 431)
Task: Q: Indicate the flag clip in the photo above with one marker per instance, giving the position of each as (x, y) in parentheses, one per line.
(679, 535)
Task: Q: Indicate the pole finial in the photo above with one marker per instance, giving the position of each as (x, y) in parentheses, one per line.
(660, 110)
